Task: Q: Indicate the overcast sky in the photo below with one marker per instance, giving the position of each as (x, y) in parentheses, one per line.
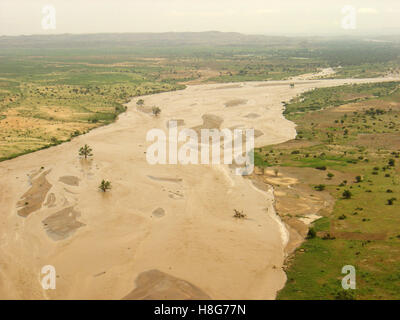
(245, 16)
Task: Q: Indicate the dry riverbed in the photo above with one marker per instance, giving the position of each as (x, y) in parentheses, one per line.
(163, 231)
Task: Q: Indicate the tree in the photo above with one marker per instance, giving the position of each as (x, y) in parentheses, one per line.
(85, 151)
(311, 233)
(330, 175)
(105, 185)
(276, 171)
(391, 162)
(358, 179)
(347, 194)
(140, 102)
(156, 111)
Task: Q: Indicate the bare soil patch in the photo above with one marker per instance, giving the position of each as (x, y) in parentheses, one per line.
(70, 180)
(252, 115)
(235, 102)
(230, 86)
(33, 199)
(157, 285)
(159, 212)
(378, 140)
(62, 224)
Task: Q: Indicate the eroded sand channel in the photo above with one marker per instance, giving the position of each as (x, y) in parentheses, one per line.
(176, 219)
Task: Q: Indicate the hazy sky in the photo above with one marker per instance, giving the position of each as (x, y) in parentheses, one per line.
(246, 16)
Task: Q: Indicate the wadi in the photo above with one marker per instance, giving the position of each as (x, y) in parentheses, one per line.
(88, 192)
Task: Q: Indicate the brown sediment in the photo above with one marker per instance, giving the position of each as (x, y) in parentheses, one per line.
(157, 285)
(378, 140)
(210, 121)
(229, 86)
(51, 200)
(33, 199)
(274, 84)
(252, 115)
(159, 212)
(235, 102)
(296, 202)
(145, 109)
(349, 235)
(197, 240)
(167, 179)
(62, 224)
(257, 133)
(179, 122)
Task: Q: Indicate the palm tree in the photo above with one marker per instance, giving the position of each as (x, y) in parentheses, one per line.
(105, 185)
(85, 151)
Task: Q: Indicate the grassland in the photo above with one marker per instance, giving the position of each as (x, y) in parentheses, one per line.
(45, 101)
(352, 130)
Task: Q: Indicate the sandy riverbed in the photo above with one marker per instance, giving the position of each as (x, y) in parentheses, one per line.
(173, 219)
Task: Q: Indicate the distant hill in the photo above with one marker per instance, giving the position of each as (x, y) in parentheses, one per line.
(213, 38)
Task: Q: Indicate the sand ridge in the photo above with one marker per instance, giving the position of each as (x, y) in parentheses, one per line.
(116, 237)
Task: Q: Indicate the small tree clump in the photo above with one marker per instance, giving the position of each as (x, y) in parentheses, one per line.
(105, 185)
(330, 175)
(320, 187)
(85, 151)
